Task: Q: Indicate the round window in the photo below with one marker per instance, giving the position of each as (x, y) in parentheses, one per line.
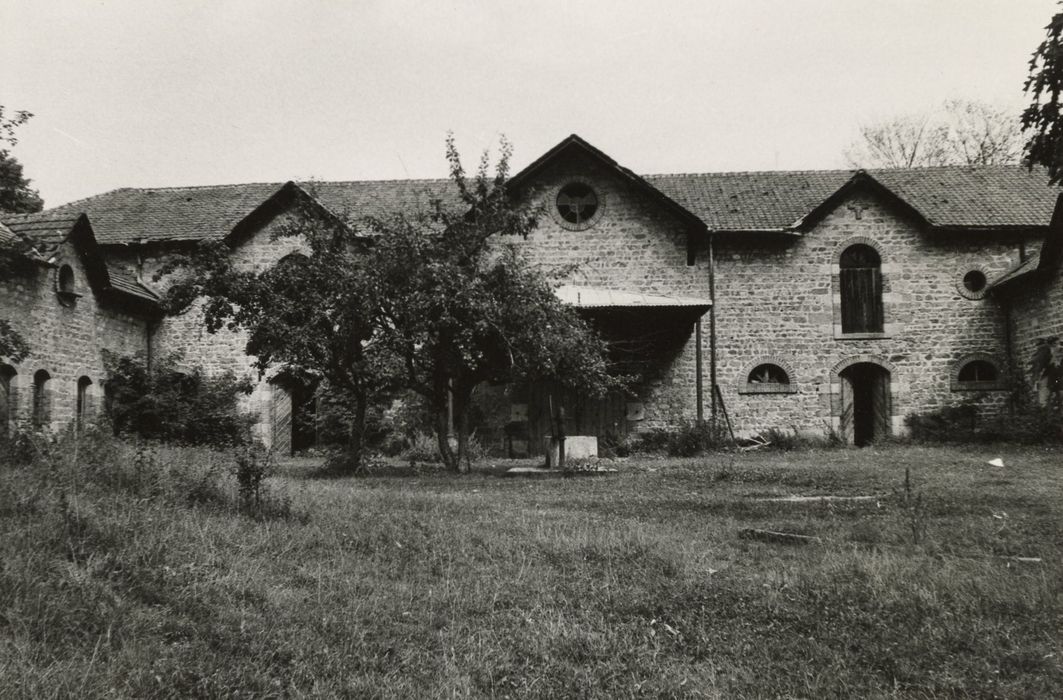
(975, 281)
(577, 203)
(972, 283)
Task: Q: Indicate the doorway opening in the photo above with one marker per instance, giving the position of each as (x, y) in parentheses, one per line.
(866, 403)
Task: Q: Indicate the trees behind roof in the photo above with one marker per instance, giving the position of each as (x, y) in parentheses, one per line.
(436, 302)
(1041, 120)
(16, 195)
(960, 132)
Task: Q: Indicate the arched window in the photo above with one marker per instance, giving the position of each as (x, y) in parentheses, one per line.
(42, 399)
(66, 280)
(861, 289)
(84, 401)
(978, 373)
(7, 398)
(768, 376)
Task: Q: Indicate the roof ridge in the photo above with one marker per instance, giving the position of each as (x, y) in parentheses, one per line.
(87, 199)
(754, 172)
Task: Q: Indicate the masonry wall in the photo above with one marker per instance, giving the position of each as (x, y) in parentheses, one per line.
(224, 351)
(778, 301)
(66, 339)
(1036, 317)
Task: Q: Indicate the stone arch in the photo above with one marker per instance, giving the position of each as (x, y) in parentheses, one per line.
(858, 240)
(886, 313)
(747, 387)
(883, 389)
(996, 384)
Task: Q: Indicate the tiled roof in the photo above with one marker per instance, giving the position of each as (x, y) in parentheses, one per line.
(193, 213)
(49, 227)
(951, 196)
(121, 282)
(963, 197)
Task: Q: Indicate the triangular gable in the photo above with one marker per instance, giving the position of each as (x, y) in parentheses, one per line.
(861, 180)
(574, 142)
(47, 232)
(289, 194)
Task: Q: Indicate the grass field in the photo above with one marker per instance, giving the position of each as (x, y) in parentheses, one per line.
(129, 573)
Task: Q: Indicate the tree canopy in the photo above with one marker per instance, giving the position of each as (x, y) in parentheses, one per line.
(436, 302)
(16, 195)
(959, 132)
(1041, 119)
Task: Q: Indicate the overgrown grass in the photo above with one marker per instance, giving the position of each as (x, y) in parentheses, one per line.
(424, 584)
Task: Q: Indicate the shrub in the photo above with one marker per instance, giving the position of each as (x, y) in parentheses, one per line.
(161, 402)
(688, 439)
(1023, 421)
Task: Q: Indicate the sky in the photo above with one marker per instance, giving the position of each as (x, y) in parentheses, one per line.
(146, 93)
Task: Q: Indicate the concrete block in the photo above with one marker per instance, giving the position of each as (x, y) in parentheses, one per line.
(576, 447)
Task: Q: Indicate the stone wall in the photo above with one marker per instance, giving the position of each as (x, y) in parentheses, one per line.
(217, 353)
(1036, 316)
(66, 338)
(777, 300)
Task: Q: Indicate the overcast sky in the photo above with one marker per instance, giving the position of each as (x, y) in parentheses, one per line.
(146, 93)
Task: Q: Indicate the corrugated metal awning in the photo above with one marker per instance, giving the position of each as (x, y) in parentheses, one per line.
(595, 298)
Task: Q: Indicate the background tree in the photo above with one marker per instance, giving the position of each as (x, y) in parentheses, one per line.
(1041, 119)
(13, 261)
(16, 195)
(960, 132)
(460, 305)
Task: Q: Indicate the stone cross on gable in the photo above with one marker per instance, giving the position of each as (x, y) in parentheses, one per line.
(857, 210)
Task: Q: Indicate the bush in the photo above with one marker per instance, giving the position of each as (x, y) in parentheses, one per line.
(1023, 421)
(162, 402)
(688, 439)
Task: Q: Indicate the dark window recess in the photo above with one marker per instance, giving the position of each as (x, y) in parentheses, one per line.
(66, 280)
(577, 203)
(978, 371)
(975, 281)
(768, 374)
(42, 399)
(83, 408)
(861, 290)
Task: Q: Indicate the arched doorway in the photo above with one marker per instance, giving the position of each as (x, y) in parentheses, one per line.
(866, 403)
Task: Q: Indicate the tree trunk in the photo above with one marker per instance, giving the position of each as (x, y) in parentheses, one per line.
(462, 400)
(352, 461)
(450, 459)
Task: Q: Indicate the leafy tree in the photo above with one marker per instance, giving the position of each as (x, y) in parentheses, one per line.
(309, 315)
(1041, 119)
(460, 305)
(13, 261)
(431, 301)
(16, 195)
(960, 132)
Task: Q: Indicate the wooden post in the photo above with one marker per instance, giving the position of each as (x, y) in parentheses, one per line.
(697, 370)
(712, 325)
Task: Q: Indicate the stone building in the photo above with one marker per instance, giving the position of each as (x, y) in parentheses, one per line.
(814, 300)
(68, 304)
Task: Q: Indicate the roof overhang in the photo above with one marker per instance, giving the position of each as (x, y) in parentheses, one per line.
(593, 297)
